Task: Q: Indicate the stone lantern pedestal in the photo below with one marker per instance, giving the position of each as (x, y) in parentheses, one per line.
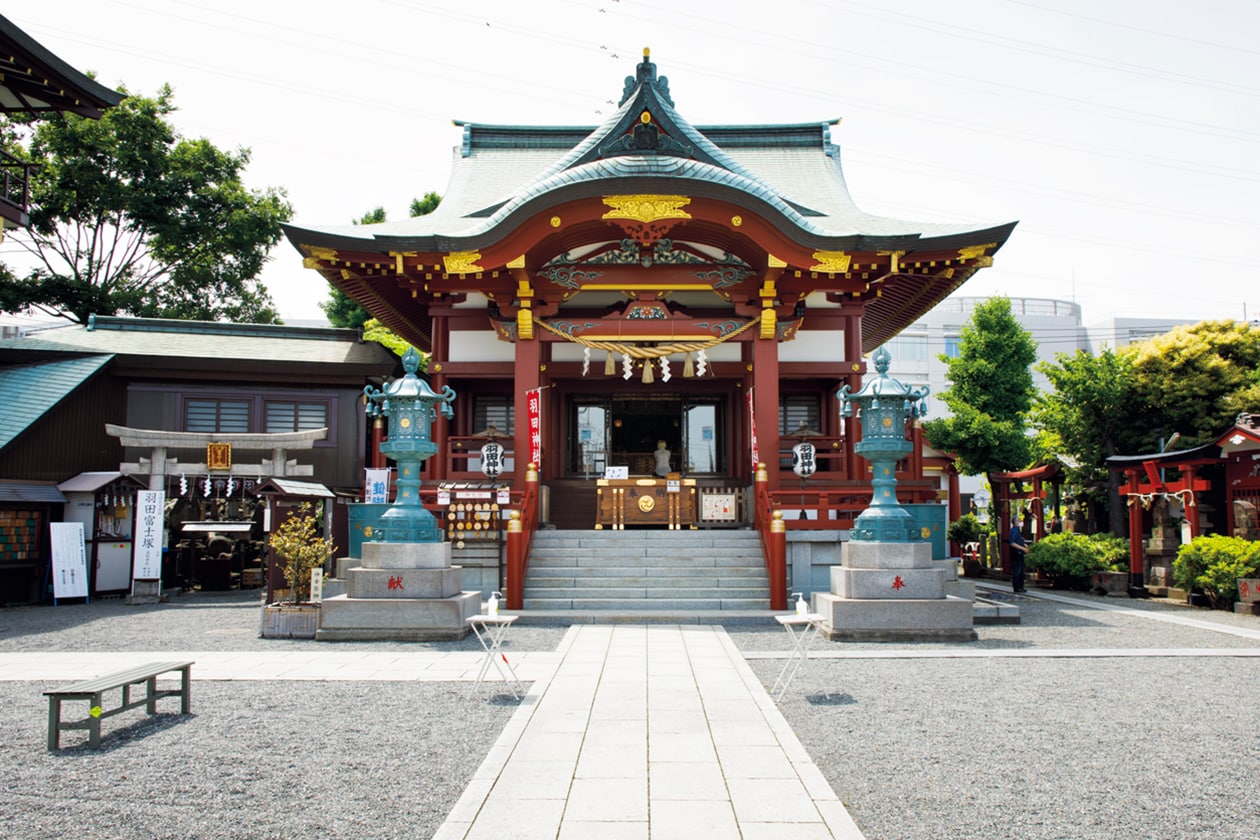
(887, 586)
(405, 588)
(400, 592)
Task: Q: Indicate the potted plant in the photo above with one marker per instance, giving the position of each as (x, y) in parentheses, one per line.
(296, 544)
(967, 532)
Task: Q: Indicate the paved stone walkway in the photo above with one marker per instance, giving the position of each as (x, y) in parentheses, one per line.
(656, 731)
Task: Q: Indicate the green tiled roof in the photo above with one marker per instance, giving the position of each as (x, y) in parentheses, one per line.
(28, 392)
(792, 170)
(166, 340)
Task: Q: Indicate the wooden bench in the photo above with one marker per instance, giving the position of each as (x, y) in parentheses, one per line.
(93, 692)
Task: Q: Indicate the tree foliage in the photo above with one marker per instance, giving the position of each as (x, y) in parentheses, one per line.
(300, 548)
(1194, 380)
(990, 393)
(128, 217)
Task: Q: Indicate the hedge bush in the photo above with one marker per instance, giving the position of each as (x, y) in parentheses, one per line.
(1213, 564)
(1071, 558)
(966, 529)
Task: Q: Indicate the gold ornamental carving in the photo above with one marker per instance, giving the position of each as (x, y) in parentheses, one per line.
(971, 252)
(219, 457)
(832, 262)
(647, 208)
(462, 262)
(317, 252)
(646, 503)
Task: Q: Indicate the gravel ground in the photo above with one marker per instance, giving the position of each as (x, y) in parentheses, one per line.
(916, 748)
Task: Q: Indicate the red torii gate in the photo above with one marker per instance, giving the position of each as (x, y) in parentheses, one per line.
(1009, 486)
(1143, 479)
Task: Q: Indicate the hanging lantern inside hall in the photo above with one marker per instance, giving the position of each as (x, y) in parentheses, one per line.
(492, 459)
(803, 459)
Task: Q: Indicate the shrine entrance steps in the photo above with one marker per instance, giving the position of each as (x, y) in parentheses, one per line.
(638, 575)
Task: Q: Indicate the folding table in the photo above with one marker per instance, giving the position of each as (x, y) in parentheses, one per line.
(803, 628)
(490, 630)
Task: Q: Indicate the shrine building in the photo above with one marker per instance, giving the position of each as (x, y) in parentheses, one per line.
(645, 281)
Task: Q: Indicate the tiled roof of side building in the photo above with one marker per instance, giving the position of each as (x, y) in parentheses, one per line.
(172, 339)
(30, 391)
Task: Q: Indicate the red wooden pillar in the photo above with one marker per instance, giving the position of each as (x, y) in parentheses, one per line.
(526, 378)
(438, 467)
(776, 558)
(953, 504)
(378, 460)
(765, 377)
(1136, 576)
(854, 471)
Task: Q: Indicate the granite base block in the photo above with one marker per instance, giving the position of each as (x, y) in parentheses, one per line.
(404, 583)
(406, 555)
(394, 619)
(888, 584)
(946, 619)
(859, 554)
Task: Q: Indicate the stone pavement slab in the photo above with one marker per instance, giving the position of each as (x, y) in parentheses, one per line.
(648, 731)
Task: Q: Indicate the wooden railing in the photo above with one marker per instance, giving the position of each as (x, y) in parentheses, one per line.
(520, 534)
(768, 520)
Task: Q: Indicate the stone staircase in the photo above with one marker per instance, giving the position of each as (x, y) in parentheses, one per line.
(633, 571)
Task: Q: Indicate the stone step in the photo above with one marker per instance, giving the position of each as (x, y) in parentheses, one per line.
(619, 604)
(612, 574)
(647, 593)
(583, 560)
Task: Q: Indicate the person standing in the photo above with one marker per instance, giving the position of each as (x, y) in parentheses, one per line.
(1019, 548)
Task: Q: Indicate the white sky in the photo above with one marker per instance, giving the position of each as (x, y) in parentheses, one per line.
(1123, 135)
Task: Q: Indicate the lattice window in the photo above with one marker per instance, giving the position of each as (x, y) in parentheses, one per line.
(797, 409)
(493, 409)
(208, 415)
(295, 416)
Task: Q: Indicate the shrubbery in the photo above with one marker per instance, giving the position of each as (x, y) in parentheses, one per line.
(1070, 559)
(1214, 564)
(966, 529)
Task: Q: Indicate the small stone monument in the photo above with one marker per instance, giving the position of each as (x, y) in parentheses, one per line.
(887, 586)
(405, 588)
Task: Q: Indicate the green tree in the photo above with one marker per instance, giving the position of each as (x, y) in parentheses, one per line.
(1092, 413)
(342, 310)
(426, 205)
(990, 393)
(130, 218)
(1194, 380)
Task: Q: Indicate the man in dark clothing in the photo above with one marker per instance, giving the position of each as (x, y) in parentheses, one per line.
(1019, 547)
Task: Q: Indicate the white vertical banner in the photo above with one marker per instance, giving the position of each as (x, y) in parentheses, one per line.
(150, 515)
(69, 560)
(376, 490)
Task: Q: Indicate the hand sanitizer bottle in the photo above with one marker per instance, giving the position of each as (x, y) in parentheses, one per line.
(802, 608)
(492, 606)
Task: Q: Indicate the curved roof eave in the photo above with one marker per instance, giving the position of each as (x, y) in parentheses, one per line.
(684, 176)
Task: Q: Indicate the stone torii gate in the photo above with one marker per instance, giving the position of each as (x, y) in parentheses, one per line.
(218, 448)
(157, 466)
